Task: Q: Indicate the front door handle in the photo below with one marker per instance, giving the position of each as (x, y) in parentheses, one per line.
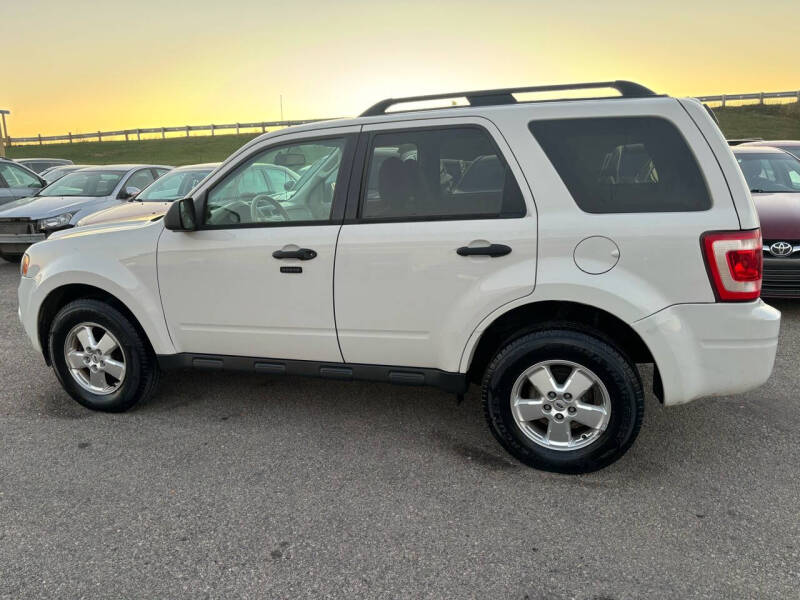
(301, 253)
(490, 250)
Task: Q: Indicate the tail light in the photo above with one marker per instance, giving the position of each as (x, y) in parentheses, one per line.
(735, 263)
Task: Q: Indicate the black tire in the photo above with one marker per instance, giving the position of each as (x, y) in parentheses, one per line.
(12, 258)
(141, 367)
(614, 370)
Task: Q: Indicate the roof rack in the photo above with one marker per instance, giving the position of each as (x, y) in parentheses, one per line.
(627, 89)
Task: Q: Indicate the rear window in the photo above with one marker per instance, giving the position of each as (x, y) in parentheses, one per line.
(624, 164)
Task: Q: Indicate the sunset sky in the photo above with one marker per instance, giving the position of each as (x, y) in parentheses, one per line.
(87, 65)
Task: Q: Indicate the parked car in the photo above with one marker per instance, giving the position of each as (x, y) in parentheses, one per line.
(38, 165)
(790, 146)
(607, 233)
(63, 203)
(155, 199)
(55, 173)
(17, 181)
(774, 179)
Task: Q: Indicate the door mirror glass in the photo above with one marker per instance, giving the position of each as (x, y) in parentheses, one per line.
(181, 216)
(130, 192)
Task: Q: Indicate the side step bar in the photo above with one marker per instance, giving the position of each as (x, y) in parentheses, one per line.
(455, 383)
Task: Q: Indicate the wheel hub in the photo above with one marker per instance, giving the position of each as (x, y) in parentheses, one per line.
(95, 358)
(560, 405)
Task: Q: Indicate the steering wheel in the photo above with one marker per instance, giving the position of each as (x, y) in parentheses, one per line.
(264, 206)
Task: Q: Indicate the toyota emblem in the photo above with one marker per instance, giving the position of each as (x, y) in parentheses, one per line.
(781, 249)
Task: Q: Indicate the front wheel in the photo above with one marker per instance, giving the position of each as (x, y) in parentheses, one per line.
(100, 357)
(563, 401)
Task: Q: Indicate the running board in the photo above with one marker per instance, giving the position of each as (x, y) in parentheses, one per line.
(455, 383)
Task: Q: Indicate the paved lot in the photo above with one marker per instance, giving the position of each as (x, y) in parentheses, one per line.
(232, 486)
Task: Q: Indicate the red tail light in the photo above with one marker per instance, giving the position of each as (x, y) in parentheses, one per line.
(735, 263)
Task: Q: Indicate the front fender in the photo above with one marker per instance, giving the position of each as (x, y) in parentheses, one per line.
(118, 261)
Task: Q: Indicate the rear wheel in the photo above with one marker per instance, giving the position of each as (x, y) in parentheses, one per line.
(100, 358)
(563, 401)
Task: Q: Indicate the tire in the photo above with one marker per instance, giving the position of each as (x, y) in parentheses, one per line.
(139, 376)
(567, 359)
(12, 258)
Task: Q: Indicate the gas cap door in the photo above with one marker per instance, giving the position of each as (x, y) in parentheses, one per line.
(596, 254)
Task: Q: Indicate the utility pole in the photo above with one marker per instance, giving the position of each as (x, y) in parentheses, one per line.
(4, 139)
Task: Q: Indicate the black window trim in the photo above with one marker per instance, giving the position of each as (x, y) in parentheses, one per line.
(339, 195)
(675, 126)
(361, 173)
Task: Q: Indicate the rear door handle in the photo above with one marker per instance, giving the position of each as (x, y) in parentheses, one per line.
(301, 253)
(490, 250)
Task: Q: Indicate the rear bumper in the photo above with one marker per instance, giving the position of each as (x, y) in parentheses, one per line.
(711, 349)
(781, 278)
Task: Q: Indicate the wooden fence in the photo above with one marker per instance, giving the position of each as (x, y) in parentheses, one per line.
(129, 134)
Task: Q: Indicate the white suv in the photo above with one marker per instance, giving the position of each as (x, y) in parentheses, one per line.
(539, 249)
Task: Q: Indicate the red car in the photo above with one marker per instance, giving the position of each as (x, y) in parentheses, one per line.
(773, 176)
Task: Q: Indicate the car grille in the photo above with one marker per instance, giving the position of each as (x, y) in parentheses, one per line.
(781, 278)
(17, 226)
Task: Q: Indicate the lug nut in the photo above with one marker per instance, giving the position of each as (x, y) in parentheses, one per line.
(568, 396)
(547, 407)
(559, 417)
(572, 410)
(551, 395)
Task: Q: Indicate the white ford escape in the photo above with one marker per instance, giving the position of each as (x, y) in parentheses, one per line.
(539, 249)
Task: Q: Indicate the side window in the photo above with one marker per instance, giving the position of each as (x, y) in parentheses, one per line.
(249, 194)
(140, 179)
(453, 173)
(16, 177)
(624, 164)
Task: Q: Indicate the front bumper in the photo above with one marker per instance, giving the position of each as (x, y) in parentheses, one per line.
(781, 278)
(16, 235)
(28, 311)
(711, 349)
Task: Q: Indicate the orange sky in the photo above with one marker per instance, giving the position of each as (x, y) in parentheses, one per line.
(82, 66)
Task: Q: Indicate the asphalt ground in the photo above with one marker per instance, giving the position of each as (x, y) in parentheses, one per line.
(227, 485)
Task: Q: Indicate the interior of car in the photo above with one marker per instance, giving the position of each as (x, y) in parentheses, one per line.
(253, 193)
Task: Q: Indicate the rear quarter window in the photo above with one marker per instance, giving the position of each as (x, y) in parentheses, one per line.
(624, 164)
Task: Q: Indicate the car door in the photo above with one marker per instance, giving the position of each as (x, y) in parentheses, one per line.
(441, 232)
(256, 278)
(19, 181)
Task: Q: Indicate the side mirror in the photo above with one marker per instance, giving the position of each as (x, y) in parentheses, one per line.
(130, 192)
(181, 216)
(289, 185)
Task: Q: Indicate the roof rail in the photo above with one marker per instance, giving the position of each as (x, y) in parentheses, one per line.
(627, 89)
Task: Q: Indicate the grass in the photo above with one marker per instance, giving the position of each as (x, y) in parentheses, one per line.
(171, 151)
(772, 121)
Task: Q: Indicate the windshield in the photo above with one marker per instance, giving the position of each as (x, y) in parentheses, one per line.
(770, 173)
(173, 185)
(84, 183)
